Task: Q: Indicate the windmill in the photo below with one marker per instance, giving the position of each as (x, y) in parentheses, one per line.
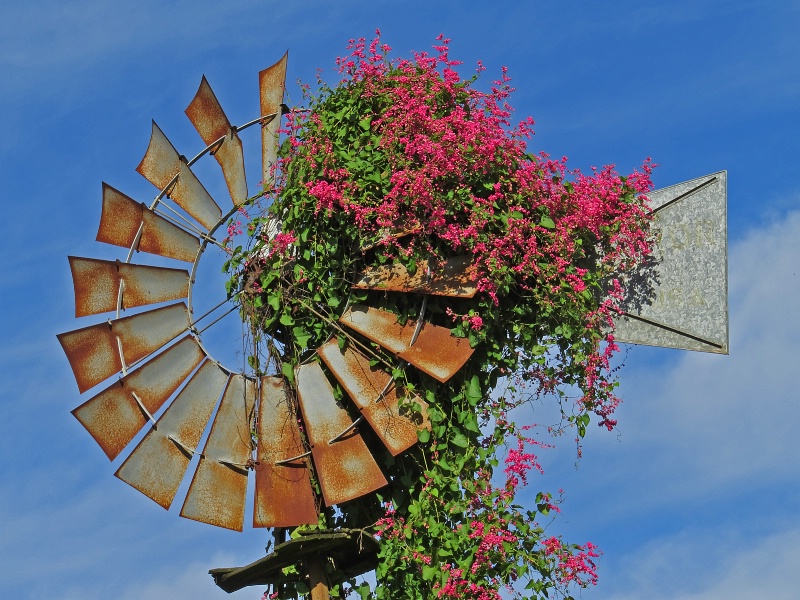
(254, 420)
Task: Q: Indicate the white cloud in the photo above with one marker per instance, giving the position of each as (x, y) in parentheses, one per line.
(718, 564)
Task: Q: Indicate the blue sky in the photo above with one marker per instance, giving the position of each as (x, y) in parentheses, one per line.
(694, 497)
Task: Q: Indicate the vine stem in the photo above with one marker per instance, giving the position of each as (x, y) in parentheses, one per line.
(341, 329)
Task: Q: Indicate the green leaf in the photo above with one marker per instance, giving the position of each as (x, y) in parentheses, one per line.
(288, 371)
(429, 572)
(474, 392)
(423, 435)
(301, 336)
(547, 222)
(461, 441)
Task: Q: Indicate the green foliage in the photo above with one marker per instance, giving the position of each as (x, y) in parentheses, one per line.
(405, 163)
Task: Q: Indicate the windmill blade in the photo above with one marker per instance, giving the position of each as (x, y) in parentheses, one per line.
(455, 277)
(271, 83)
(436, 351)
(124, 220)
(344, 465)
(158, 464)
(679, 298)
(95, 353)
(375, 394)
(217, 493)
(207, 116)
(166, 169)
(114, 416)
(100, 284)
(284, 497)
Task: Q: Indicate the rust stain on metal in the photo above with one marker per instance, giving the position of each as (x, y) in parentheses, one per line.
(435, 352)
(345, 468)
(93, 352)
(217, 493)
(207, 116)
(160, 165)
(375, 394)
(122, 217)
(158, 464)
(271, 84)
(284, 497)
(97, 284)
(113, 417)
(455, 277)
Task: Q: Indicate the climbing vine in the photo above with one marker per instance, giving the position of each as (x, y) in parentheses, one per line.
(405, 162)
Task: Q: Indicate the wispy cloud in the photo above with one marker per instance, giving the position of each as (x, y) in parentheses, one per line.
(713, 564)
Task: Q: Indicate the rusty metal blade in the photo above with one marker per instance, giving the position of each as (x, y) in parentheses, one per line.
(94, 353)
(113, 417)
(375, 394)
(162, 164)
(345, 468)
(284, 497)
(207, 116)
(122, 216)
(97, 285)
(158, 464)
(271, 83)
(217, 493)
(454, 278)
(436, 351)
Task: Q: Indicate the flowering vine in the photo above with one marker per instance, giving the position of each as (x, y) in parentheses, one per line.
(403, 161)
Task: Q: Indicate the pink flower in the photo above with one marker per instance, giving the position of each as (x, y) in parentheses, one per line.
(475, 322)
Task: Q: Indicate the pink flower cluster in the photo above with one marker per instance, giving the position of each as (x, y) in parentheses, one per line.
(457, 586)
(518, 463)
(280, 243)
(576, 566)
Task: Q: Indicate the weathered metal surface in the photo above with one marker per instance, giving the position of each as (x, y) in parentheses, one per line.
(353, 551)
(284, 497)
(435, 352)
(93, 352)
(158, 464)
(97, 285)
(375, 394)
(680, 299)
(160, 166)
(113, 417)
(217, 493)
(206, 114)
(120, 221)
(271, 83)
(454, 278)
(345, 468)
